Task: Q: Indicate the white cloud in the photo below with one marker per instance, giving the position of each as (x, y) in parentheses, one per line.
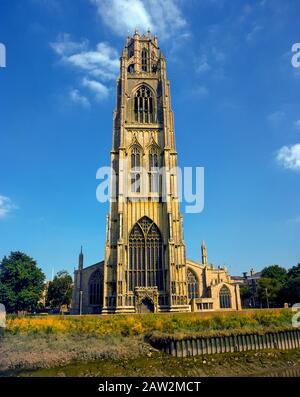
(203, 65)
(297, 124)
(201, 91)
(65, 46)
(289, 157)
(294, 220)
(6, 206)
(78, 98)
(96, 66)
(163, 17)
(99, 89)
(253, 33)
(276, 118)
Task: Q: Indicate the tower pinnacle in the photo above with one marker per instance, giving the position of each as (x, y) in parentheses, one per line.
(80, 260)
(203, 251)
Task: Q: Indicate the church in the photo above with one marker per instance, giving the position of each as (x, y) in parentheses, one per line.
(145, 268)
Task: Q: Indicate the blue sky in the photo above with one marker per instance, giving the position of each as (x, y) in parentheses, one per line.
(235, 95)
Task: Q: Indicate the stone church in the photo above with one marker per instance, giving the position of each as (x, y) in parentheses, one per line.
(145, 268)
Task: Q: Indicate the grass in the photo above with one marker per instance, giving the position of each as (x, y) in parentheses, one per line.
(132, 325)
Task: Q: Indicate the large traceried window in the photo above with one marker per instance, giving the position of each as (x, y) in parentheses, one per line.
(193, 285)
(135, 172)
(225, 298)
(153, 171)
(143, 105)
(145, 256)
(144, 60)
(96, 288)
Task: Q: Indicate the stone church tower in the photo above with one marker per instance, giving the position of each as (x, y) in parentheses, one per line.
(145, 260)
(145, 268)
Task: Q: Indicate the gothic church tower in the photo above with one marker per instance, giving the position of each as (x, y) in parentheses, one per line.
(145, 260)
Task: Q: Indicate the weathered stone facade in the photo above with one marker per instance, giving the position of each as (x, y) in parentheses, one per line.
(145, 266)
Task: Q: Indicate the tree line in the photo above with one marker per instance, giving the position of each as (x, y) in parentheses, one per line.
(23, 287)
(275, 287)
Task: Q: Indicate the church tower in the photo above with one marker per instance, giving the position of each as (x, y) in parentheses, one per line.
(145, 259)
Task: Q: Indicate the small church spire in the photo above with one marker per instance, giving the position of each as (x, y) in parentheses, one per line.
(80, 260)
(203, 251)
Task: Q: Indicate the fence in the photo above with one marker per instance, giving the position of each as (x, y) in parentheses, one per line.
(281, 340)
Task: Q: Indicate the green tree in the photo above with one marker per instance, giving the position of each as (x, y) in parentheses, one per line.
(269, 291)
(60, 290)
(245, 292)
(21, 282)
(294, 272)
(275, 272)
(291, 290)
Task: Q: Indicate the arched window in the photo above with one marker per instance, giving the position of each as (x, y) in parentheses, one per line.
(135, 171)
(153, 171)
(96, 288)
(130, 68)
(225, 298)
(145, 256)
(143, 105)
(144, 60)
(193, 285)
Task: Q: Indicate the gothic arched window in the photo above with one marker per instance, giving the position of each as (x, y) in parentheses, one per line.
(193, 284)
(96, 288)
(144, 60)
(130, 68)
(153, 171)
(135, 172)
(145, 256)
(225, 298)
(143, 105)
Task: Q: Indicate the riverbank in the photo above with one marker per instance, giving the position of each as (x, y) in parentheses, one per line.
(132, 357)
(117, 345)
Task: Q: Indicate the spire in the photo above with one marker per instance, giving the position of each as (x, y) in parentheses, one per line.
(203, 251)
(80, 260)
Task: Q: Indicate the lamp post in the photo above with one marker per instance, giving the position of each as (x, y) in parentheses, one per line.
(267, 296)
(80, 303)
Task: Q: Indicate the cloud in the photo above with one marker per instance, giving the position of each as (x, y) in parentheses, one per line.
(203, 65)
(253, 33)
(297, 124)
(6, 206)
(96, 66)
(289, 157)
(99, 89)
(163, 17)
(78, 98)
(276, 118)
(65, 46)
(295, 220)
(201, 91)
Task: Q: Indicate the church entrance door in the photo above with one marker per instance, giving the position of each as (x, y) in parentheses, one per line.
(146, 306)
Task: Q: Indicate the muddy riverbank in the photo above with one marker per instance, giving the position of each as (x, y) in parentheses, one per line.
(131, 356)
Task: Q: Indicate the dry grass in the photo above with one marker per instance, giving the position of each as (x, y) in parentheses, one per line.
(130, 325)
